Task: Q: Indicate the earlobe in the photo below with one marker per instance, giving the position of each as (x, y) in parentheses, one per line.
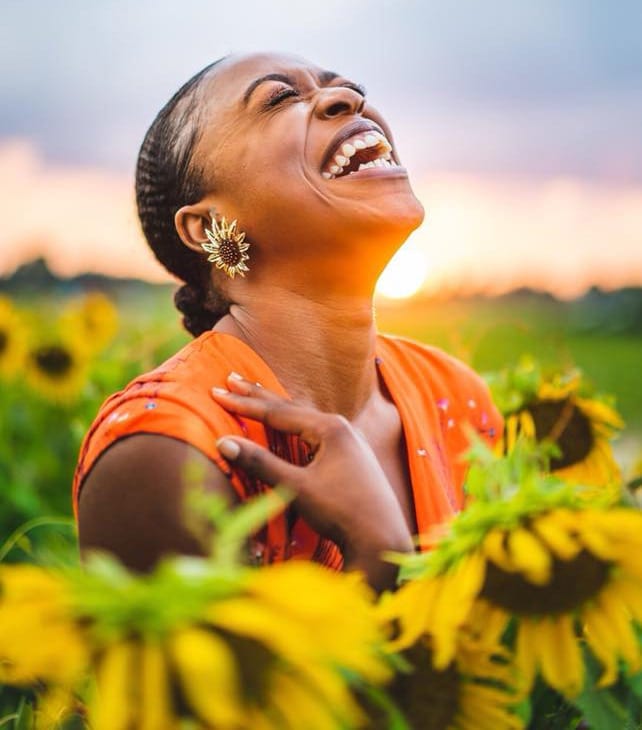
(190, 222)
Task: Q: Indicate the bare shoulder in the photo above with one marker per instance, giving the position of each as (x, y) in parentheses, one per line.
(131, 503)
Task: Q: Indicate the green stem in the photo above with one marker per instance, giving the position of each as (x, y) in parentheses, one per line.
(21, 531)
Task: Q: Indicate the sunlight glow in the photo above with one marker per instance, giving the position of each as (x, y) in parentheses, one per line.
(405, 273)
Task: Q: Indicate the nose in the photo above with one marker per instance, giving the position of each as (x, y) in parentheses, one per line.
(336, 101)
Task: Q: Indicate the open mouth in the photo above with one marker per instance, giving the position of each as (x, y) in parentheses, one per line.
(363, 150)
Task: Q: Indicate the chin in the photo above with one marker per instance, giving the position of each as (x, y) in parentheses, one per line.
(396, 216)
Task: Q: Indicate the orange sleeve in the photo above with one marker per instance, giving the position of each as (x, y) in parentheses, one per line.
(127, 416)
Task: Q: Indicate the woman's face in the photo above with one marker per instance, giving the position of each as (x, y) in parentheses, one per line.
(303, 161)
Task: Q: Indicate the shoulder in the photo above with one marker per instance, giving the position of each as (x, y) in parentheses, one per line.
(173, 400)
(443, 369)
(458, 392)
(132, 502)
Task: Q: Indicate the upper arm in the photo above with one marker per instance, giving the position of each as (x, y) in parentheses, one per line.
(131, 503)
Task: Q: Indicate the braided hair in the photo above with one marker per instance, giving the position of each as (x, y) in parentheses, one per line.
(166, 180)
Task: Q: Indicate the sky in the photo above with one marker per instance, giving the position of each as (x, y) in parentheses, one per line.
(520, 124)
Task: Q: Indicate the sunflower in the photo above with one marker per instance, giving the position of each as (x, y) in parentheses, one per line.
(91, 322)
(473, 691)
(561, 410)
(566, 572)
(39, 639)
(252, 648)
(12, 339)
(56, 369)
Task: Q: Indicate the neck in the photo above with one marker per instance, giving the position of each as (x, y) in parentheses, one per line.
(322, 352)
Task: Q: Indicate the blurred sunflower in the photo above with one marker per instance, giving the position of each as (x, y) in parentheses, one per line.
(56, 369)
(472, 692)
(247, 648)
(563, 411)
(12, 339)
(536, 553)
(90, 322)
(39, 639)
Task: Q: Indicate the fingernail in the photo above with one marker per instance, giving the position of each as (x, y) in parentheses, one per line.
(229, 448)
(258, 385)
(235, 376)
(220, 391)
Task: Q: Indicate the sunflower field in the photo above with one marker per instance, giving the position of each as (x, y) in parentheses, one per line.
(525, 611)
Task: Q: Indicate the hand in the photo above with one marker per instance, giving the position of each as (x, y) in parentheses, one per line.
(342, 493)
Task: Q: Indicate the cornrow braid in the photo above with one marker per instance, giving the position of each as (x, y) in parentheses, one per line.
(167, 179)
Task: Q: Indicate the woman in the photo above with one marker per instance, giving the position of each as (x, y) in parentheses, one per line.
(287, 381)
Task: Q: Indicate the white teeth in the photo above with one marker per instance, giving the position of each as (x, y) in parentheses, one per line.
(348, 149)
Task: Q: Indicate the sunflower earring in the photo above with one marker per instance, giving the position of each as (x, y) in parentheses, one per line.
(226, 247)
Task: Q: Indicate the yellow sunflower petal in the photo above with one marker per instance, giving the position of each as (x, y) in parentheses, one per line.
(453, 605)
(482, 708)
(592, 536)
(155, 690)
(208, 675)
(526, 652)
(554, 534)
(529, 556)
(487, 622)
(495, 550)
(602, 642)
(630, 593)
(561, 659)
(294, 701)
(527, 425)
(620, 620)
(114, 706)
(413, 604)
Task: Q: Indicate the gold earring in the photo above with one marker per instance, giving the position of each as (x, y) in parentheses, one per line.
(226, 247)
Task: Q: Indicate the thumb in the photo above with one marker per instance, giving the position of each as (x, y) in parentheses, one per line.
(258, 462)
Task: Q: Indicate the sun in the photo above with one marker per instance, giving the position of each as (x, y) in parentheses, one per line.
(405, 273)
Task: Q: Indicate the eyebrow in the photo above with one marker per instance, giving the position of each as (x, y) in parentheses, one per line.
(324, 78)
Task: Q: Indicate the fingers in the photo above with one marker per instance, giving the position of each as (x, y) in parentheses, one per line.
(258, 462)
(253, 401)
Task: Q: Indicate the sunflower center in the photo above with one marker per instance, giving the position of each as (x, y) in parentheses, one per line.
(4, 339)
(564, 423)
(53, 360)
(229, 252)
(572, 583)
(428, 698)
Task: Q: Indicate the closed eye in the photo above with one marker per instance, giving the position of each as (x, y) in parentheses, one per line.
(361, 90)
(280, 94)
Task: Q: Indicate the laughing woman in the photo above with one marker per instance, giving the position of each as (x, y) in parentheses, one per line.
(273, 190)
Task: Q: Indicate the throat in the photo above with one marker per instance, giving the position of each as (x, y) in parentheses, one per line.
(324, 356)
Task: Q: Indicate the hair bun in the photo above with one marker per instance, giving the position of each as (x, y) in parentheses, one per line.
(197, 318)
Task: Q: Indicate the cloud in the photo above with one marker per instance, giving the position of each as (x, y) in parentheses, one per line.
(80, 219)
(563, 235)
(544, 87)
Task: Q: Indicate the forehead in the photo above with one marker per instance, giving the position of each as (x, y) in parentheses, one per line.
(230, 78)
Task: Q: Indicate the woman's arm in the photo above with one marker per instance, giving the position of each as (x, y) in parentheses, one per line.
(343, 493)
(131, 501)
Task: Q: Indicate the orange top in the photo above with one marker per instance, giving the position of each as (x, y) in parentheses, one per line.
(436, 397)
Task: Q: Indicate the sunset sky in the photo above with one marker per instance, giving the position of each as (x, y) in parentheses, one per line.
(520, 123)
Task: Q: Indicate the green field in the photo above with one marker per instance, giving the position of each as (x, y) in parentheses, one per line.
(41, 437)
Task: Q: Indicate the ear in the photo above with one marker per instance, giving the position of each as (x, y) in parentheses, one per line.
(191, 222)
